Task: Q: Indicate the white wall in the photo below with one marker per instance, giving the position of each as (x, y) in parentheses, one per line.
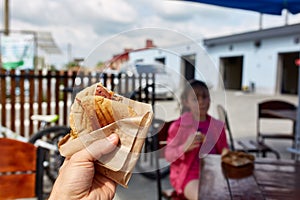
(205, 68)
(172, 61)
(259, 64)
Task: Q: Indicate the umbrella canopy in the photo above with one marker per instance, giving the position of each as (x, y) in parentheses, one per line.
(273, 7)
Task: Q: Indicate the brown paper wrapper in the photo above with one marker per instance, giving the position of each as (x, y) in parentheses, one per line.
(131, 122)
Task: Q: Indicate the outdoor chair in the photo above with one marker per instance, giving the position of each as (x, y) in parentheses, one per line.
(21, 170)
(271, 110)
(258, 147)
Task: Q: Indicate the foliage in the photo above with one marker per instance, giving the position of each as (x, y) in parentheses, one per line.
(71, 65)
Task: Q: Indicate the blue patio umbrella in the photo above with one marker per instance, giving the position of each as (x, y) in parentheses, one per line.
(273, 7)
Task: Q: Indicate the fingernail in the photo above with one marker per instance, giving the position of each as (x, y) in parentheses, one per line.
(112, 137)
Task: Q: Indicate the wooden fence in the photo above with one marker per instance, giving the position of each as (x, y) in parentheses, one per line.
(24, 93)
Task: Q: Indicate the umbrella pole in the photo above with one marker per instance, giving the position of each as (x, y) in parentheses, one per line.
(260, 20)
(297, 135)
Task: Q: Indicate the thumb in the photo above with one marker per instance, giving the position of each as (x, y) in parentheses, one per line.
(97, 149)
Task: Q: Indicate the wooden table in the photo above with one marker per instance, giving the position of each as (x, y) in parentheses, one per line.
(271, 179)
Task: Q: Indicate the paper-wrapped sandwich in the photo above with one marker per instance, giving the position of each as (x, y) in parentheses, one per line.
(95, 114)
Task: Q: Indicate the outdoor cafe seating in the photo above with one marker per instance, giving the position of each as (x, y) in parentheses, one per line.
(257, 147)
(264, 177)
(255, 185)
(276, 110)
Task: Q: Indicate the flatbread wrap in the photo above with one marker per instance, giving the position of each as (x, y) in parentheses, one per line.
(98, 112)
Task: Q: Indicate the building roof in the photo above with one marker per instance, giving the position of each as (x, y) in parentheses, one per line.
(124, 56)
(255, 35)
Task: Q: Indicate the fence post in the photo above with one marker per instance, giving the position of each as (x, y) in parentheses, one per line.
(22, 102)
(58, 91)
(3, 96)
(12, 100)
(65, 97)
(31, 98)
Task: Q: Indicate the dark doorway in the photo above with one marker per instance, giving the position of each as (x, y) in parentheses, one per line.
(161, 60)
(189, 62)
(231, 70)
(289, 76)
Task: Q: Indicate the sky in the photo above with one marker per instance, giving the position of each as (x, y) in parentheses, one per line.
(79, 28)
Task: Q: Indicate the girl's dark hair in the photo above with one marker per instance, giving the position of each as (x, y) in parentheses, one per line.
(191, 84)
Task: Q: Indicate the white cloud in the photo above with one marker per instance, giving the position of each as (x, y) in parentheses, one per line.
(86, 24)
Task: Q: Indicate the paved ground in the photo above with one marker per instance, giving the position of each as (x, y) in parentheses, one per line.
(241, 109)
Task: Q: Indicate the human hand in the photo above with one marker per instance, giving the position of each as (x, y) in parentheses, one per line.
(77, 177)
(193, 141)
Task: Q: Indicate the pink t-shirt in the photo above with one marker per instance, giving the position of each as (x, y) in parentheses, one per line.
(203, 127)
(185, 166)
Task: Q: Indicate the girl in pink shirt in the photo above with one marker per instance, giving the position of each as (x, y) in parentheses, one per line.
(194, 135)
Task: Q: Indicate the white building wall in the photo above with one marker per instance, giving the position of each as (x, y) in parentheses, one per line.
(205, 68)
(172, 61)
(259, 64)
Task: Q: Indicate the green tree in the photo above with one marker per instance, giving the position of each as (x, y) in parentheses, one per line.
(100, 65)
(71, 65)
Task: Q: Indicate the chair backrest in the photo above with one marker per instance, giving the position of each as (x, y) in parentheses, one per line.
(159, 129)
(163, 133)
(19, 170)
(224, 117)
(273, 105)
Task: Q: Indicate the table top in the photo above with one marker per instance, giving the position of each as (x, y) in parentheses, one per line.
(284, 114)
(271, 179)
